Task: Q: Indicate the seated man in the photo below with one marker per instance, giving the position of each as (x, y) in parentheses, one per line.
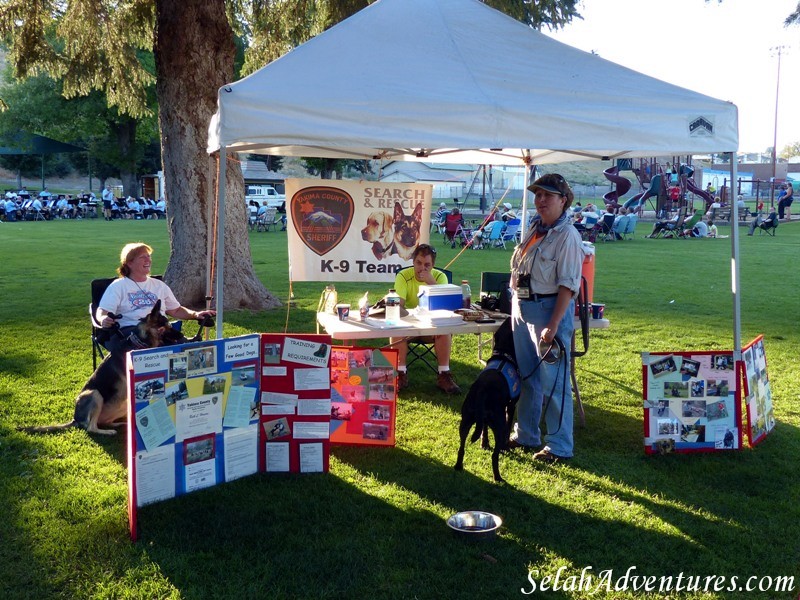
(670, 225)
(699, 230)
(588, 218)
(161, 208)
(768, 223)
(406, 284)
(506, 214)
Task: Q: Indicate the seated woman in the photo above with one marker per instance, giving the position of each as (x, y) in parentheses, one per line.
(135, 293)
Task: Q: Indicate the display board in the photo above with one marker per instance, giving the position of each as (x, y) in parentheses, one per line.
(757, 392)
(692, 402)
(363, 396)
(192, 418)
(295, 403)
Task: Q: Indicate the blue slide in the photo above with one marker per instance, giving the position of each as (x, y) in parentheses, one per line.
(639, 199)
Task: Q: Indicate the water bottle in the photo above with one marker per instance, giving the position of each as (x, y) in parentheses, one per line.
(329, 299)
(392, 308)
(466, 294)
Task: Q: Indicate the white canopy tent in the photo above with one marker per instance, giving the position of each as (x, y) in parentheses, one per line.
(457, 81)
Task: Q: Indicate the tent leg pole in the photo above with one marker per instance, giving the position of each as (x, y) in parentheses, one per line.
(737, 309)
(221, 238)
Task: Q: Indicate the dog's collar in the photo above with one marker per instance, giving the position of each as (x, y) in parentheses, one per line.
(380, 248)
(135, 341)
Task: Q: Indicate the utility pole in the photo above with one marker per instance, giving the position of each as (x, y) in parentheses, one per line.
(773, 51)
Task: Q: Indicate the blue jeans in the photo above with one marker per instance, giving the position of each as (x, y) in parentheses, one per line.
(544, 385)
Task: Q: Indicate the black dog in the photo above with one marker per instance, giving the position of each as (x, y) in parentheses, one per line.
(492, 400)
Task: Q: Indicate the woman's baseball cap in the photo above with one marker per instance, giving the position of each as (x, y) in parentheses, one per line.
(553, 183)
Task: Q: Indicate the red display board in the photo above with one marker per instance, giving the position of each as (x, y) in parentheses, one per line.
(363, 396)
(295, 403)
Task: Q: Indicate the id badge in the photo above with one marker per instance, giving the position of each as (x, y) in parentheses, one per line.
(523, 287)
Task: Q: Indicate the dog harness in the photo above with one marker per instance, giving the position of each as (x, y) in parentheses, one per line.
(508, 369)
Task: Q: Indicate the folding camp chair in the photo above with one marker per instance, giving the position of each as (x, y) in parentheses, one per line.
(606, 226)
(768, 227)
(452, 223)
(495, 295)
(495, 236)
(510, 232)
(686, 229)
(267, 220)
(421, 348)
(630, 229)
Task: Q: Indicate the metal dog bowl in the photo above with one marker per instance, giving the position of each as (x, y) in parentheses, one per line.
(475, 524)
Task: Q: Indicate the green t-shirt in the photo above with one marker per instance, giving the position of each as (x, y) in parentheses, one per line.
(407, 286)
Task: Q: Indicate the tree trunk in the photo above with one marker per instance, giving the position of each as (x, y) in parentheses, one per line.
(194, 54)
(125, 133)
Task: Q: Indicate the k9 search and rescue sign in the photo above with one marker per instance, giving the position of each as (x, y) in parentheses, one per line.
(354, 230)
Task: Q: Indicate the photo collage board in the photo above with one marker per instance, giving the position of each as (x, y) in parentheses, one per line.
(692, 402)
(192, 418)
(363, 396)
(295, 413)
(757, 392)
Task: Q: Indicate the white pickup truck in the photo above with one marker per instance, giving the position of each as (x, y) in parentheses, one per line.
(260, 193)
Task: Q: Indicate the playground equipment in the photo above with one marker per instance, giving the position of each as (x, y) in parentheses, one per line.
(637, 202)
(621, 187)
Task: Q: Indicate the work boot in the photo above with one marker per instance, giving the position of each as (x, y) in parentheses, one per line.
(447, 384)
(402, 380)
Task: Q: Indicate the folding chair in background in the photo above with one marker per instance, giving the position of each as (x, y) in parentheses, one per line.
(510, 232)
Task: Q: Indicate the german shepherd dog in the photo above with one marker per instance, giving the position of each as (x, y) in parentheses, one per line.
(492, 400)
(406, 231)
(104, 398)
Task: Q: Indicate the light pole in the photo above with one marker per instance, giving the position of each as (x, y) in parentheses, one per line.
(775, 50)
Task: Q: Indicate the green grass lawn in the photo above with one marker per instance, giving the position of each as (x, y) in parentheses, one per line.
(374, 527)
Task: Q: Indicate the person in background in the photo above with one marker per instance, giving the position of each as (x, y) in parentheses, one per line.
(785, 203)
(134, 294)
(767, 223)
(506, 214)
(406, 284)
(545, 277)
(712, 229)
(108, 199)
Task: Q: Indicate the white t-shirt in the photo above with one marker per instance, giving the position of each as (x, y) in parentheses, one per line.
(134, 301)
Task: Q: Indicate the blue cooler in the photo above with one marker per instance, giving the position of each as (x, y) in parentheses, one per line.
(444, 296)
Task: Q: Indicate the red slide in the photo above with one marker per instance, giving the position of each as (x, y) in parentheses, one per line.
(692, 187)
(621, 187)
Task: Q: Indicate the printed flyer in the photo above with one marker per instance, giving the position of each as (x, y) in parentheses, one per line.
(758, 394)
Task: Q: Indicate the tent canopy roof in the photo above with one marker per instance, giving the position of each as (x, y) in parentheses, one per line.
(457, 81)
(24, 143)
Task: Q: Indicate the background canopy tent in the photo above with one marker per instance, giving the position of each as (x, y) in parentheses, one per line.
(457, 81)
(31, 144)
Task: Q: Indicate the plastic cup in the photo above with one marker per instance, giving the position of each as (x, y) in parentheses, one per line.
(598, 310)
(343, 310)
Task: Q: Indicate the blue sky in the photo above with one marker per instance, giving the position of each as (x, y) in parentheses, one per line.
(722, 49)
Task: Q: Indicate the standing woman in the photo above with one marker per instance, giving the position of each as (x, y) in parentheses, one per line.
(545, 277)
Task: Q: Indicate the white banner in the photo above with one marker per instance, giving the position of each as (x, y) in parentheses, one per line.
(354, 230)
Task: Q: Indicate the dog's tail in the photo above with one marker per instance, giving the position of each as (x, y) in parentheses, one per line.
(49, 428)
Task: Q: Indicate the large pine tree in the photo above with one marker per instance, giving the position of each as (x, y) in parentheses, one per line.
(96, 44)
